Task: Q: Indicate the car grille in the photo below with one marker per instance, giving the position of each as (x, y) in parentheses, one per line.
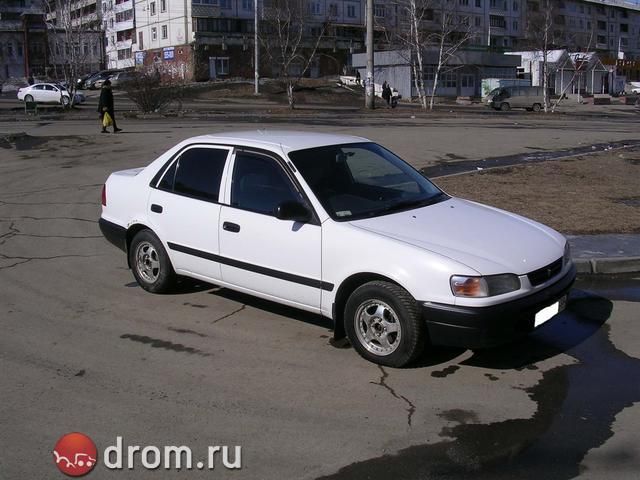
(545, 273)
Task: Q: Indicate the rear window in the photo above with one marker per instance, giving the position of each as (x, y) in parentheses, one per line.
(196, 173)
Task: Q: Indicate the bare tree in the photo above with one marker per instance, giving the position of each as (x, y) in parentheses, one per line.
(290, 38)
(453, 31)
(541, 33)
(411, 36)
(75, 39)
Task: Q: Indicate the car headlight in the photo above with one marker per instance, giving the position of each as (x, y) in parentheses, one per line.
(566, 257)
(489, 286)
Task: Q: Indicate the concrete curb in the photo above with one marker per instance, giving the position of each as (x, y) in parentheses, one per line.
(607, 265)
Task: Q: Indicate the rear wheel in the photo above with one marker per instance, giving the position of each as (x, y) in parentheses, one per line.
(537, 107)
(383, 323)
(28, 98)
(505, 107)
(64, 101)
(150, 263)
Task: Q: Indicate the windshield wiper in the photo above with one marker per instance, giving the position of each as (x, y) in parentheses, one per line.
(409, 204)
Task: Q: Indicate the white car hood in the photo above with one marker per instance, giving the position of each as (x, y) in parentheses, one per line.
(486, 239)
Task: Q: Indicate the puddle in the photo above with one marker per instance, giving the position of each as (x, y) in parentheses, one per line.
(576, 406)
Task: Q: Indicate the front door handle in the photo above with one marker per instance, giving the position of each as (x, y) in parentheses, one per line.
(231, 227)
(155, 208)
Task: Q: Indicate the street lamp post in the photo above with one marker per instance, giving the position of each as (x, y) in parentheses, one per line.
(369, 85)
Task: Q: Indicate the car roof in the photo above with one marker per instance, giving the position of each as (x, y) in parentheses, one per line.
(288, 140)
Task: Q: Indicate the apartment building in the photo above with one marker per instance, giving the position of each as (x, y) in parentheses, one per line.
(74, 36)
(23, 40)
(119, 25)
(203, 39)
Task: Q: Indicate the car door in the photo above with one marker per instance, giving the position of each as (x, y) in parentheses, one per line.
(261, 253)
(184, 209)
(38, 93)
(52, 95)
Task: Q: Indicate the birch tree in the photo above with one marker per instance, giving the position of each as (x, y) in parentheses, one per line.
(74, 39)
(290, 38)
(452, 32)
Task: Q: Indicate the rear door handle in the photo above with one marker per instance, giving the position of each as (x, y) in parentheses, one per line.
(156, 208)
(231, 227)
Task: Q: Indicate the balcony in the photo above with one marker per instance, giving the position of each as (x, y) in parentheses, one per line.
(124, 44)
(123, 7)
(126, 25)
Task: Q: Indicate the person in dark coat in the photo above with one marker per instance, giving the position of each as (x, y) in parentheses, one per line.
(386, 93)
(106, 105)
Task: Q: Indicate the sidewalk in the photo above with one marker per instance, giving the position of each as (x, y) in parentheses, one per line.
(615, 253)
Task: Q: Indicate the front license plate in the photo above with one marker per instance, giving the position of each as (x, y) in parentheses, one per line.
(549, 312)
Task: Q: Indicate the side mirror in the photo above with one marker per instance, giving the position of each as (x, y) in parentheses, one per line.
(295, 211)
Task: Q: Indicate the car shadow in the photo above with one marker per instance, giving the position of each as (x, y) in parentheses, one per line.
(586, 313)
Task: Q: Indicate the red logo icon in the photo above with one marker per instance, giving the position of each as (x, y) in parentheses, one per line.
(75, 454)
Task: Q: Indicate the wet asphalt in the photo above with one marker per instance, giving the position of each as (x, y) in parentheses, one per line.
(84, 349)
(576, 403)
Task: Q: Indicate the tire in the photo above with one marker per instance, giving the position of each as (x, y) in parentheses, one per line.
(64, 101)
(28, 98)
(383, 323)
(536, 107)
(150, 263)
(505, 107)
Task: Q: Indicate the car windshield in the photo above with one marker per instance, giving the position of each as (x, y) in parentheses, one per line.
(362, 180)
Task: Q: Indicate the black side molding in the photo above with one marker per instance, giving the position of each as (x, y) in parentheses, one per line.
(114, 233)
(289, 277)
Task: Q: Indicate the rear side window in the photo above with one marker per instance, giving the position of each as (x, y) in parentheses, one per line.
(196, 173)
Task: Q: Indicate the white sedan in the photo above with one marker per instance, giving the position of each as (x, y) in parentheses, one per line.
(342, 227)
(47, 93)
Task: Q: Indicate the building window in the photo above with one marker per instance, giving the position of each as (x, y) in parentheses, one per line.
(515, 25)
(111, 23)
(449, 80)
(222, 65)
(315, 8)
(154, 34)
(379, 10)
(124, 54)
(478, 21)
(333, 10)
(478, 3)
(496, 21)
(247, 4)
(515, 6)
(140, 41)
(351, 11)
(226, 4)
(152, 8)
(164, 31)
(163, 5)
(464, 2)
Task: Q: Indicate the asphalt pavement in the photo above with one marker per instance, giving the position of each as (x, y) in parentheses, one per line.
(84, 349)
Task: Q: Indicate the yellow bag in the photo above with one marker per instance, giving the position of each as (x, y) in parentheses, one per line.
(107, 121)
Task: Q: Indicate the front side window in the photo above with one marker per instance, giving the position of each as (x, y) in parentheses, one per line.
(196, 173)
(260, 184)
(363, 180)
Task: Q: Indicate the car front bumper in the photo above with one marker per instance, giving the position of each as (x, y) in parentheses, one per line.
(481, 327)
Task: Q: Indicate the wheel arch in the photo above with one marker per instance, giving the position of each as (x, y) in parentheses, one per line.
(346, 288)
(131, 232)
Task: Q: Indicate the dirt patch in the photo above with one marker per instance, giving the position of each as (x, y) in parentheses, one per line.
(581, 195)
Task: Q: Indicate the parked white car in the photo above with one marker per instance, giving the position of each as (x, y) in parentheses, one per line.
(340, 226)
(45, 93)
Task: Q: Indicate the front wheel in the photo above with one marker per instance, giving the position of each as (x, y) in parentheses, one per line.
(150, 263)
(64, 101)
(383, 323)
(28, 98)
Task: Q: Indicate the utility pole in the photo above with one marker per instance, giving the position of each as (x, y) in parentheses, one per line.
(369, 86)
(256, 46)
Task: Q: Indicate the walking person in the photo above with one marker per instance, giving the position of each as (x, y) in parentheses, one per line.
(105, 105)
(386, 93)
